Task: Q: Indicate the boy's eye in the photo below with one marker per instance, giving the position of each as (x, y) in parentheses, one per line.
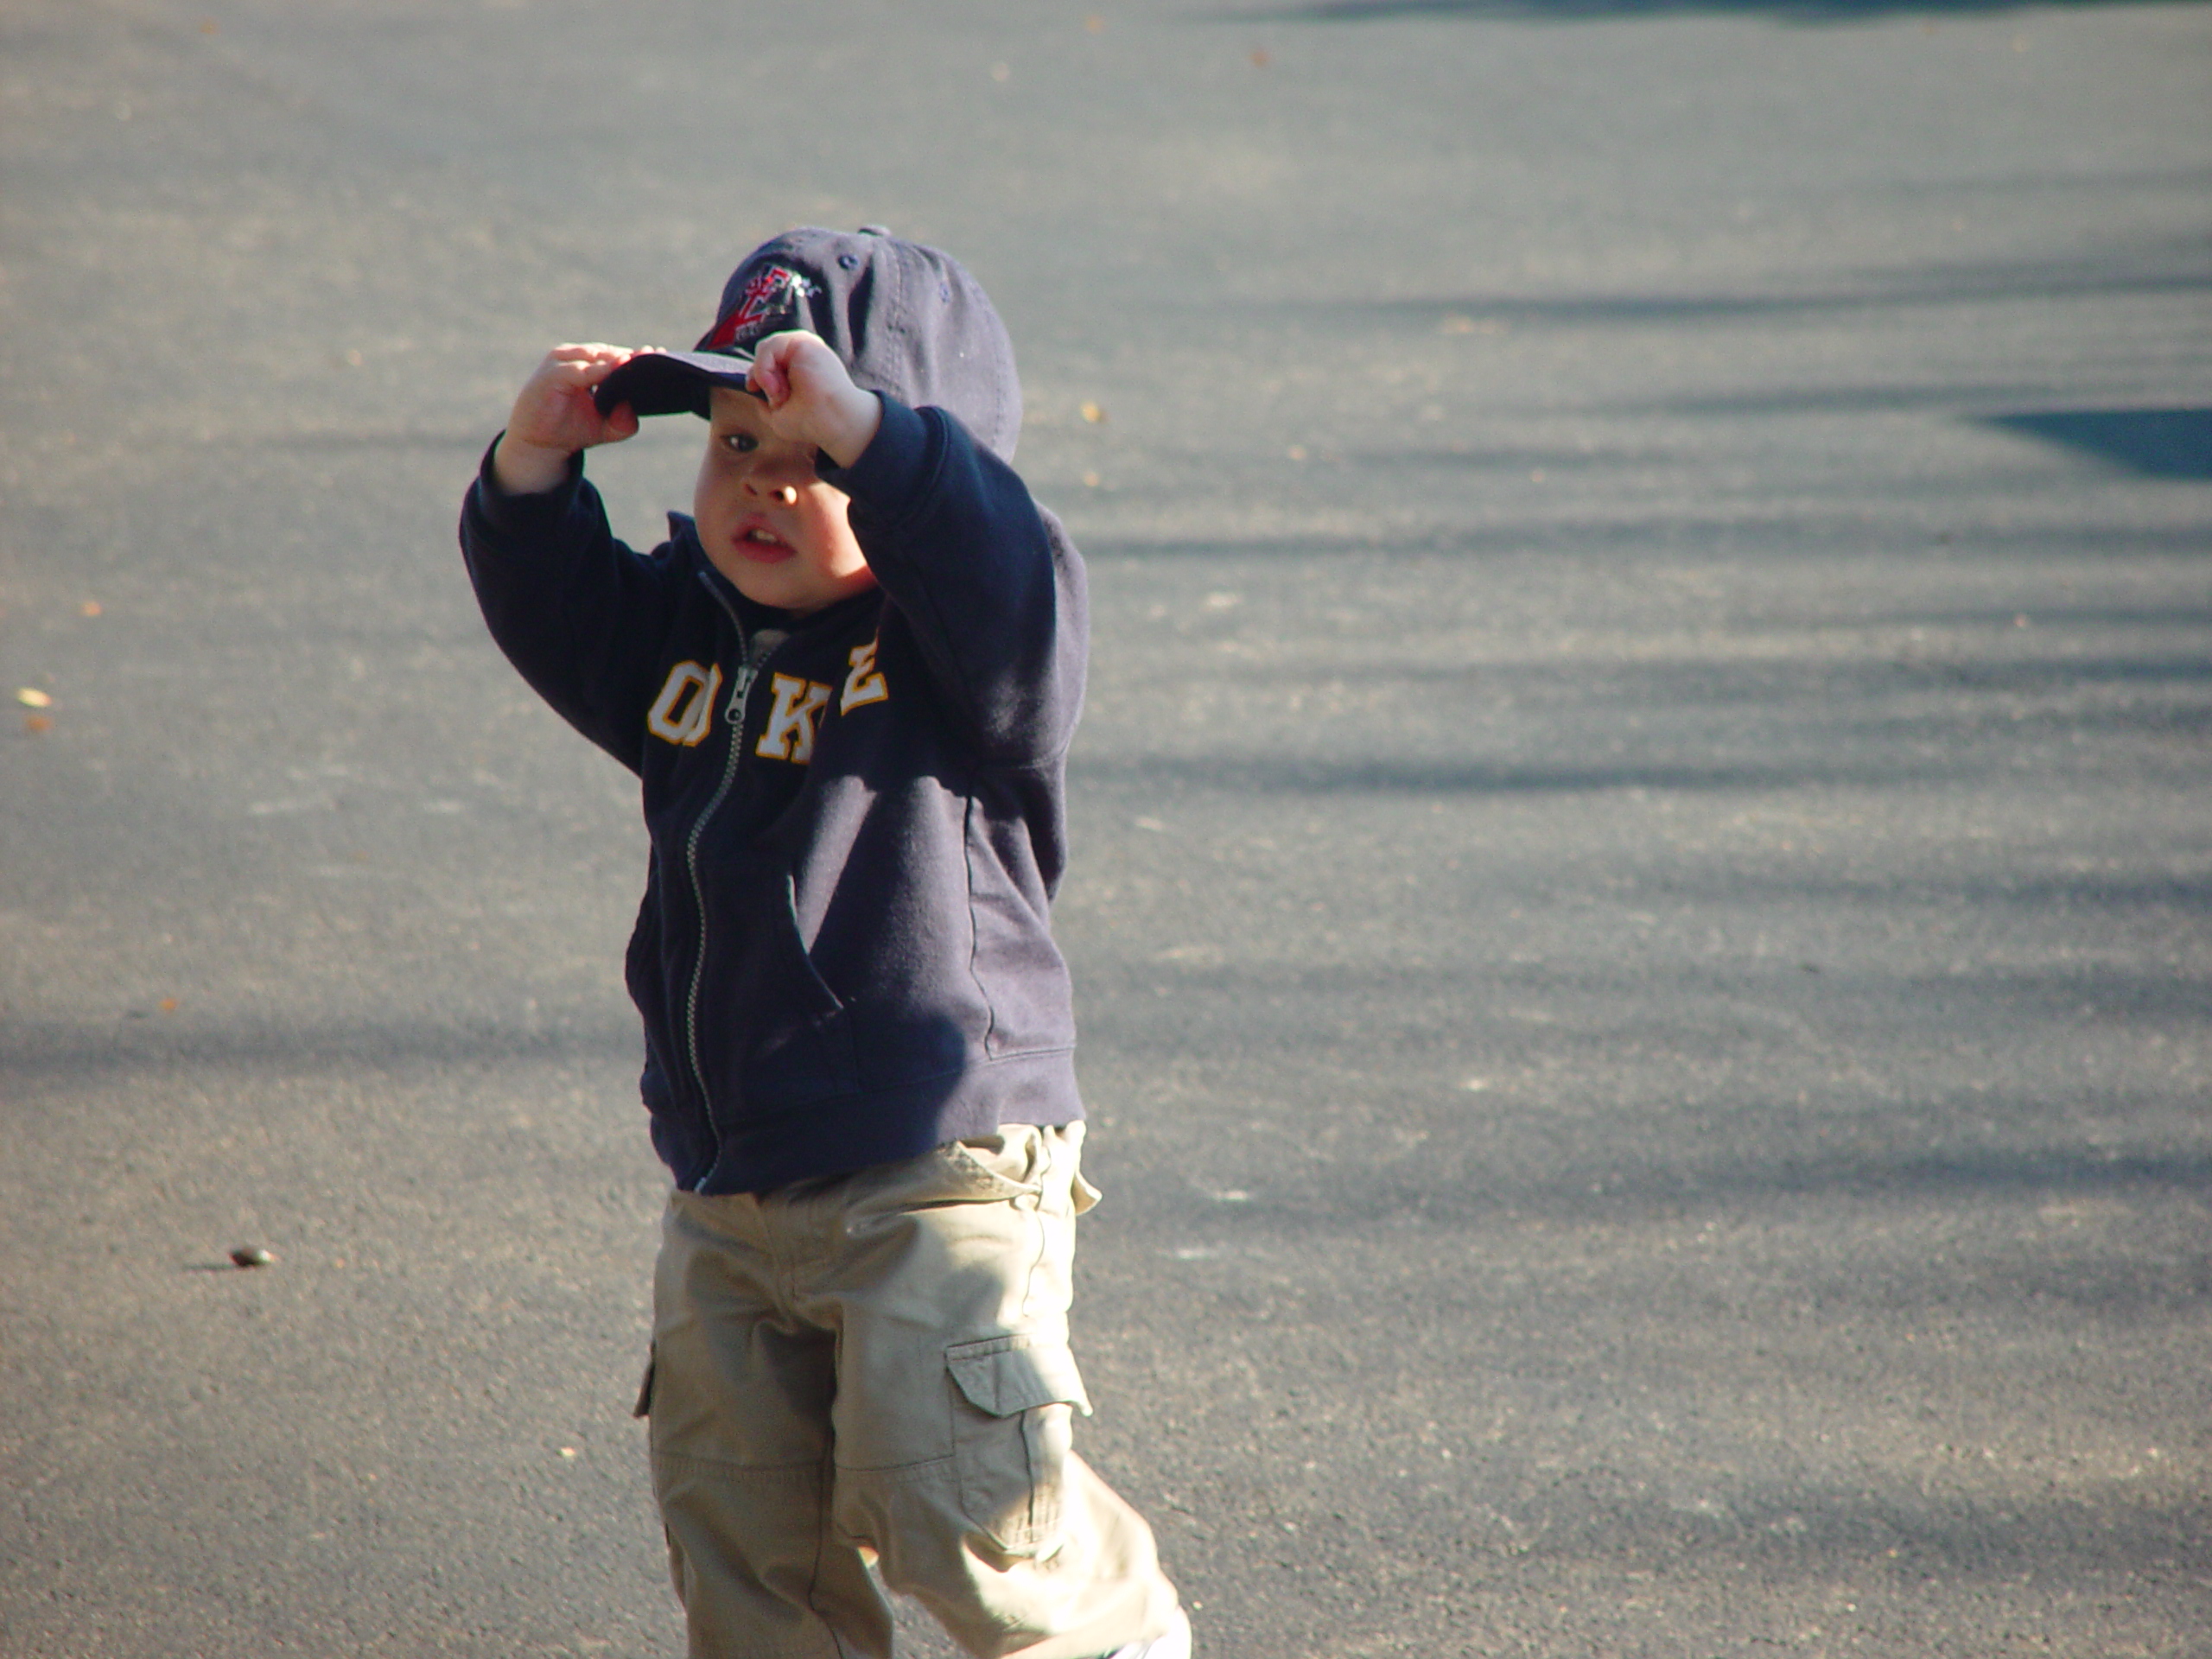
(742, 442)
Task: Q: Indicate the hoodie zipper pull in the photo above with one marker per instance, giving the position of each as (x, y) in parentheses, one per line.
(759, 649)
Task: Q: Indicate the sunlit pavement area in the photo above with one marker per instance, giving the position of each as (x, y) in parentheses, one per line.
(1644, 833)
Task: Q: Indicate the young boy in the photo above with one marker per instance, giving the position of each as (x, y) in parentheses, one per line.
(847, 683)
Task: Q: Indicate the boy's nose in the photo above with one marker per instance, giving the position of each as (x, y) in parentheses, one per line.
(770, 489)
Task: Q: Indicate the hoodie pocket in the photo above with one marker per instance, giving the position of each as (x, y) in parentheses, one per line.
(797, 1042)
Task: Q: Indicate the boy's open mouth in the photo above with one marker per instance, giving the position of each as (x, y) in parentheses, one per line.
(758, 543)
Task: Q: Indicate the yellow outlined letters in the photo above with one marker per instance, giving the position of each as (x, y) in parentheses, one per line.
(790, 733)
(678, 714)
(865, 683)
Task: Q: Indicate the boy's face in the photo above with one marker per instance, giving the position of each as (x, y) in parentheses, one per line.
(774, 529)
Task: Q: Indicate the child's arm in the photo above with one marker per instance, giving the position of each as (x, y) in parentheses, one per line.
(812, 398)
(553, 417)
(578, 613)
(988, 583)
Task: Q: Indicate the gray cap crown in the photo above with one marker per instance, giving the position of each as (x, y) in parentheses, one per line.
(907, 320)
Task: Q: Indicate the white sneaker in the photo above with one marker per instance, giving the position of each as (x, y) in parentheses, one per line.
(1176, 1644)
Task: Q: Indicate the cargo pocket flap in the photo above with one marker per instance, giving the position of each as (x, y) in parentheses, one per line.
(1006, 1374)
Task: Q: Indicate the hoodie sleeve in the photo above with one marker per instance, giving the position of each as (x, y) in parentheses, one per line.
(989, 581)
(580, 614)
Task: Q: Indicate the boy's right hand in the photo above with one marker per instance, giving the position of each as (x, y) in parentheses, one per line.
(554, 417)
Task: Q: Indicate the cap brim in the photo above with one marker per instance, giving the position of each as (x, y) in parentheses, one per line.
(670, 382)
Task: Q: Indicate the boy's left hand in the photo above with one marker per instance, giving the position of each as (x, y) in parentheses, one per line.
(810, 397)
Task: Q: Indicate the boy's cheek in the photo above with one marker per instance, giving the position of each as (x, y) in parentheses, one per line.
(716, 491)
(702, 485)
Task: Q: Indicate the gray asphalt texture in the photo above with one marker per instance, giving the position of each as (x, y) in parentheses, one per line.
(1644, 833)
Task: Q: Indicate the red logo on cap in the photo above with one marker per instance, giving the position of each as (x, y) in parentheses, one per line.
(770, 295)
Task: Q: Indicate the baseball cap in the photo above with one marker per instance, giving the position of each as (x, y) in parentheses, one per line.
(907, 319)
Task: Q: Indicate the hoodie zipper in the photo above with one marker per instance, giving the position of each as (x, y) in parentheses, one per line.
(757, 649)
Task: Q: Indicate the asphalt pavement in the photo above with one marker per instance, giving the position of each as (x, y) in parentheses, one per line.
(1643, 833)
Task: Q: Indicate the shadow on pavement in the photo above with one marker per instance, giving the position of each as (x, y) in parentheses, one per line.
(39, 1055)
(1813, 1528)
(1618, 1192)
(2143, 267)
(1786, 11)
(2174, 443)
(1254, 774)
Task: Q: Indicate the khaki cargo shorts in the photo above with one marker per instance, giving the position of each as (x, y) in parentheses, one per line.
(876, 1367)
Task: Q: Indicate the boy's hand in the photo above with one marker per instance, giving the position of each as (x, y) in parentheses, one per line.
(810, 397)
(554, 417)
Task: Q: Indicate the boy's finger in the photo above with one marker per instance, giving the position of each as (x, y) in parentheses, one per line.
(598, 368)
(588, 364)
(769, 380)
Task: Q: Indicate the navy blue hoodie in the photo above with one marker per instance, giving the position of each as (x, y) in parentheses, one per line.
(857, 817)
